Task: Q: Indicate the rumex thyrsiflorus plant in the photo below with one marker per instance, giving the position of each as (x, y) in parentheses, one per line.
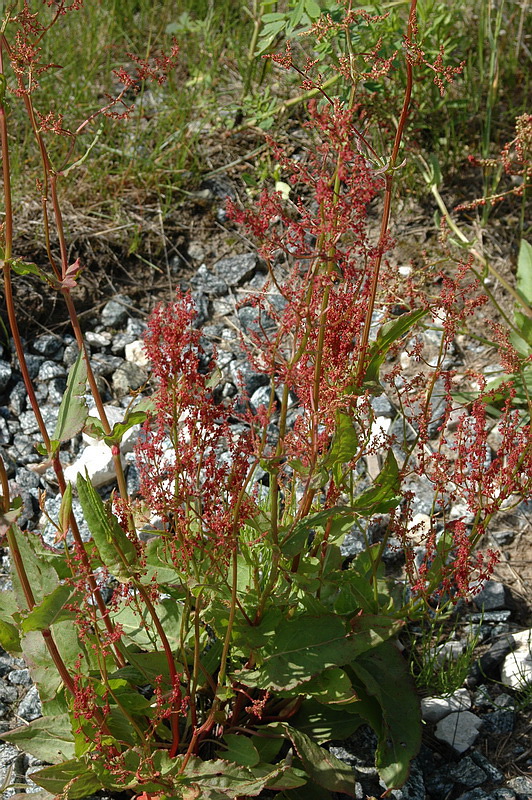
(238, 640)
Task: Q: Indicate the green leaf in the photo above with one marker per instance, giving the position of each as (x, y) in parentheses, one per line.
(240, 749)
(306, 645)
(321, 766)
(159, 562)
(523, 343)
(324, 723)
(312, 8)
(49, 610)
(344, 446)
(116, 551)
(225, 779)
(94, 426)
(138, 626)
(390, 333)
(384, 676)
(524, 272)
(48, 738)
(73, 410)
(20, 267)
(41, 576)
(331, 686)
(9, 638)
(42, 668)
(295, 541)
(384, 495)
(81, 781)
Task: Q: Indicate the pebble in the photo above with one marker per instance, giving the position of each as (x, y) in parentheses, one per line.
(115, 311)
(459, 730)
(516, 670)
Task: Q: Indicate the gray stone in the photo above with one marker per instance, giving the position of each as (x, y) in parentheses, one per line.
(504, 537)
(260, 397)
(467, 773)
(243, 375)
(489, 662)
(5, 433)
(493, 774)
(503, 793)
(23, 450)
(33, 364)
(213, 285)
(433, 709)
(382, 407)
(492, 596)
(256, 321)
(71, 353)
(106, 364)
(8, 758)
(128, 377)
(51, 369)
(474, 794)
(459, 730)
(522, 786)
(17, 399)
(497, 723)
(5, 375)
(49, 346)
(491, 616)
(52, 506)
(8, 694)
(438, 784)
(9, 462)
(119, 342)
(236, 270)
(20, 677)
(99, 340)
(30, 706)
(115, 312)
(28, 421)
(56, 390)
(135, 327)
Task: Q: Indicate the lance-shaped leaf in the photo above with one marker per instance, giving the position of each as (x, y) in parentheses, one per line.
(321, 766)
(344, 446)
(116, 551)
(385, 492)
(73, 409)
(41, 576)
(384, 679)
(51, 609)
(135, 416)
(306, 645)
(386, 337)
(49, 739)
(295, 541)
(79, 778)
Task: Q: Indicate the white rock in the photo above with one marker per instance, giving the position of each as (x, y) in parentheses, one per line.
(136, 353)
(97, 461)
(419, 528)
(459, 730)
(379, 430)
(435, 708)
(516, 670)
